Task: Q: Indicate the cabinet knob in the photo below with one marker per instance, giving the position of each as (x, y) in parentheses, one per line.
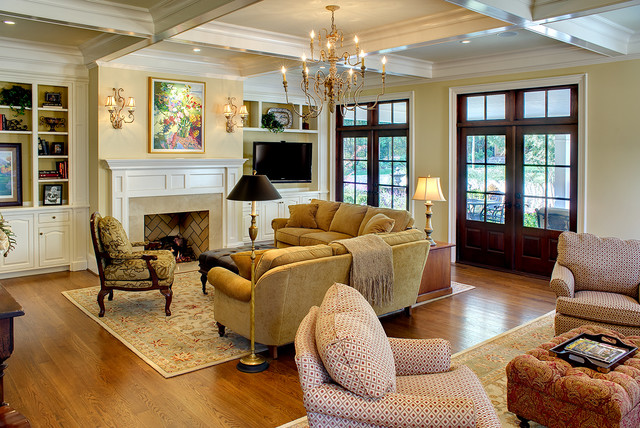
(41, 233)
(53, 217)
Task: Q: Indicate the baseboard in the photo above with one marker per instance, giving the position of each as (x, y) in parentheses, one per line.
(31, 272)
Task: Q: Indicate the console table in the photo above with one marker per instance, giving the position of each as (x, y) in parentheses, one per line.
(436, 277)
(9, 309)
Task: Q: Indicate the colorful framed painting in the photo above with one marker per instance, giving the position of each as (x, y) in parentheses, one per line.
(176, 116)
(10, 174)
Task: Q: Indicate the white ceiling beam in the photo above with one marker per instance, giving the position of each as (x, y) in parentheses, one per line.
(517, 12)
(552, 10)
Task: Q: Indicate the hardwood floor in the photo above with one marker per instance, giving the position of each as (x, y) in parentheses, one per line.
(66, 371)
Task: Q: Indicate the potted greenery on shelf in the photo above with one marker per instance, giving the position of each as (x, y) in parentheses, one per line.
(16, 97)
(270, 122)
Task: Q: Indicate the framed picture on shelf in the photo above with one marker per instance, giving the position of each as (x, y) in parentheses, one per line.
(176, 116)
(52, 194)
(10, 174)
(52, 99)
(57, 148)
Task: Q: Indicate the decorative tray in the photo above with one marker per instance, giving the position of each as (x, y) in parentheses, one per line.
(596, 351)
(283, 115)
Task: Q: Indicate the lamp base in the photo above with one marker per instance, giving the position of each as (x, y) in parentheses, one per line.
(252, 364)
(430, 239)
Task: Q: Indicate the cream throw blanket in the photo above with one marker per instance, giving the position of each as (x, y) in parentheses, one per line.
(371, 268)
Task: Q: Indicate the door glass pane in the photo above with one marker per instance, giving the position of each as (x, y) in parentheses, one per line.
(534, 104)
(361, 194)
(534, 212)
(349, 118)
(496, 149)
(495, 208)
(385, 172)
(400, 174)
(475, 149)
(559, 103)
(384, 113)
(361, 116)
(558, 182)
(495, 106)
(534, 149)
(400, 148)
(348, 148)
(385, 148)
(399, 198)
(361, 171)
(400, 112)
(557, 214)
(349, 171)
(559, 149)
(475, 178)
(475, 206)
(349, 193)
(475, 108)
(496, 178)
(384, 197)
(361, 148)
(534, 181)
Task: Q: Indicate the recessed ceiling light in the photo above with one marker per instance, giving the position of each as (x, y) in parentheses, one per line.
(464, 42)
(9, 22)
(508, 34)
(196, 49)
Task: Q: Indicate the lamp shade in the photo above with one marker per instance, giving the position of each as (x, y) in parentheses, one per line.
(253, 188)
(428, 189)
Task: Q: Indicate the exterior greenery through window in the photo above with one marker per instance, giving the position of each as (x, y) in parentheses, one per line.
(372, 155)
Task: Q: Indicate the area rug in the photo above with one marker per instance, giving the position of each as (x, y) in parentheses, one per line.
(181, 343)
(489, 359)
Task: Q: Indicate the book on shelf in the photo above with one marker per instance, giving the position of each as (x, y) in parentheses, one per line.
(52, 105)
(62, 169)
(3, 122)
(43, 147)
(48, 173)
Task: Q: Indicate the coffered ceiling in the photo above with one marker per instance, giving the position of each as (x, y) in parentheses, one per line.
(252, 39)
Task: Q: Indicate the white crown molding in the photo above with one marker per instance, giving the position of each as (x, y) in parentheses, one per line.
(18, 56)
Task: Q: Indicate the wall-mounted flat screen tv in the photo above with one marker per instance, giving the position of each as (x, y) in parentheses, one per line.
(283, 162)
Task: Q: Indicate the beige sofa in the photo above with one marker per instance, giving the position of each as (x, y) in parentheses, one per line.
(292, 280)
(335, 220)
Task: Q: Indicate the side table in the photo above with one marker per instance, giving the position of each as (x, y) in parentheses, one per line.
(436, 277)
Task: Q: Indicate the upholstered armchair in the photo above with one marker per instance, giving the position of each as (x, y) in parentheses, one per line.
(353, 375)
(121, 268)
(596, 281)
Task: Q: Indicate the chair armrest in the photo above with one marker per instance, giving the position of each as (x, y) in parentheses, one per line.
(562, 281)
(139, 243)
(278, 223)
(392, 410)
(230, 283)
(420, 356)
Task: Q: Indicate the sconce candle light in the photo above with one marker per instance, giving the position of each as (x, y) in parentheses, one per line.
(230, 111)
(115, 104)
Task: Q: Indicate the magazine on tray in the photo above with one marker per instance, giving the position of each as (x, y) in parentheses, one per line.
(597, 350)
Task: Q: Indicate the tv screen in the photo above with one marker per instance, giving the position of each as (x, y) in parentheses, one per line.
(283, 162)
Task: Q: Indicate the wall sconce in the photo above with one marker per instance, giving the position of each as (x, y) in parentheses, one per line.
(231, 110)
(115, 104)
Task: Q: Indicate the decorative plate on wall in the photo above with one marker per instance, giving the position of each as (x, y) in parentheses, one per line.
(283, 115)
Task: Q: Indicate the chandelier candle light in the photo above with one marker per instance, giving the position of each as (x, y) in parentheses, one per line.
(343, 88)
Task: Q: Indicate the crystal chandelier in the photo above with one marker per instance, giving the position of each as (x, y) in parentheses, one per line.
(343, 88)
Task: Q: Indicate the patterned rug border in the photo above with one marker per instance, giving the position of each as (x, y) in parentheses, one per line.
(259, 348)
(457, 287)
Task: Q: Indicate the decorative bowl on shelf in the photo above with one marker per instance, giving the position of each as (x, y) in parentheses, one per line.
(52, 122)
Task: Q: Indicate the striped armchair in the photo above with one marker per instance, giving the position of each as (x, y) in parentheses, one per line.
(378, 381)
(596, 282)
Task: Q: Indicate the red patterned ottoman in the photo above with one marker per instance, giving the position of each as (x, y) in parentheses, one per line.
(548, 390)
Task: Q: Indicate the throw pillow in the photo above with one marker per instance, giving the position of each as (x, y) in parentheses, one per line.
(243, 262)
(403, 218)
(113, 237)
(303, 215)
(326, 211)
(284, 256)
(352, 344)
(348, 218)
(379, 223)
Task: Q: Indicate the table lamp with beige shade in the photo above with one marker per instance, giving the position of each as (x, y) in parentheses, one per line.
(428, 190)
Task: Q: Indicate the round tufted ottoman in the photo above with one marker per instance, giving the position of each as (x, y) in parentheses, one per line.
(550, 391)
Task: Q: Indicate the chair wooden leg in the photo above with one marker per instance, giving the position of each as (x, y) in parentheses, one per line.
(524, 422)
(110, 295)
(273, 352)
(203, 278)
(168, 294)
(407, 311)
(101, 295)
(221, 329)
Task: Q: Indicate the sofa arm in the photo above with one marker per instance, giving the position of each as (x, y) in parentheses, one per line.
(420, 356)
(278, 223)
(562, 282)
(230, 283)
(391, 410)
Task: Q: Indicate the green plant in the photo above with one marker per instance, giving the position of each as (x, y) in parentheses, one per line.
(270, 122)
(7, 237)
(16, 96)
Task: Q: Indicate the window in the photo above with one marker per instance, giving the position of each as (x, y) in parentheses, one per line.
(372, 155)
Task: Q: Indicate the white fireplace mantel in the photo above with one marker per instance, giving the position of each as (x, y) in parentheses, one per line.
(140, 178)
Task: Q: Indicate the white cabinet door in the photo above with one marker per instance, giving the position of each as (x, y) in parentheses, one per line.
(284, 206)
(21, 257)
(269, 210)
(53, 245)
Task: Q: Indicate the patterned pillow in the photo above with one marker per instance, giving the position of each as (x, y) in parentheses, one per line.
(352, 344)
(303, 215)
(113, 237)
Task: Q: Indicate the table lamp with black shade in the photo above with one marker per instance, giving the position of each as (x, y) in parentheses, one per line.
(253, 188)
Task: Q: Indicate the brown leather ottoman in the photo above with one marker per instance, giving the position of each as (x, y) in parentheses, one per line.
(548, 390)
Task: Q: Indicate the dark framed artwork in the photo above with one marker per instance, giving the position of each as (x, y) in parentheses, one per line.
(10, 174)
(52, 194)
(57, 148)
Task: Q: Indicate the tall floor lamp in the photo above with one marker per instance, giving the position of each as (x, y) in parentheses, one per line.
(428, 190)
(253, 188)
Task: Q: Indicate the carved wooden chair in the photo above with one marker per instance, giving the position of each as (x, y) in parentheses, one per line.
(121, 268)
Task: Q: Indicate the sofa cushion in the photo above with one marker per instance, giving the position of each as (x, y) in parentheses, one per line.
(316, 238)
(283, 256)
(402, 237)
(403, 218)
(601, 264)
(325, 213)
(612, 308)
(302, 215)
(243, 262)
(352, 344)
(379, 223)
(113, 237)
(348, 218)
(291, 235)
